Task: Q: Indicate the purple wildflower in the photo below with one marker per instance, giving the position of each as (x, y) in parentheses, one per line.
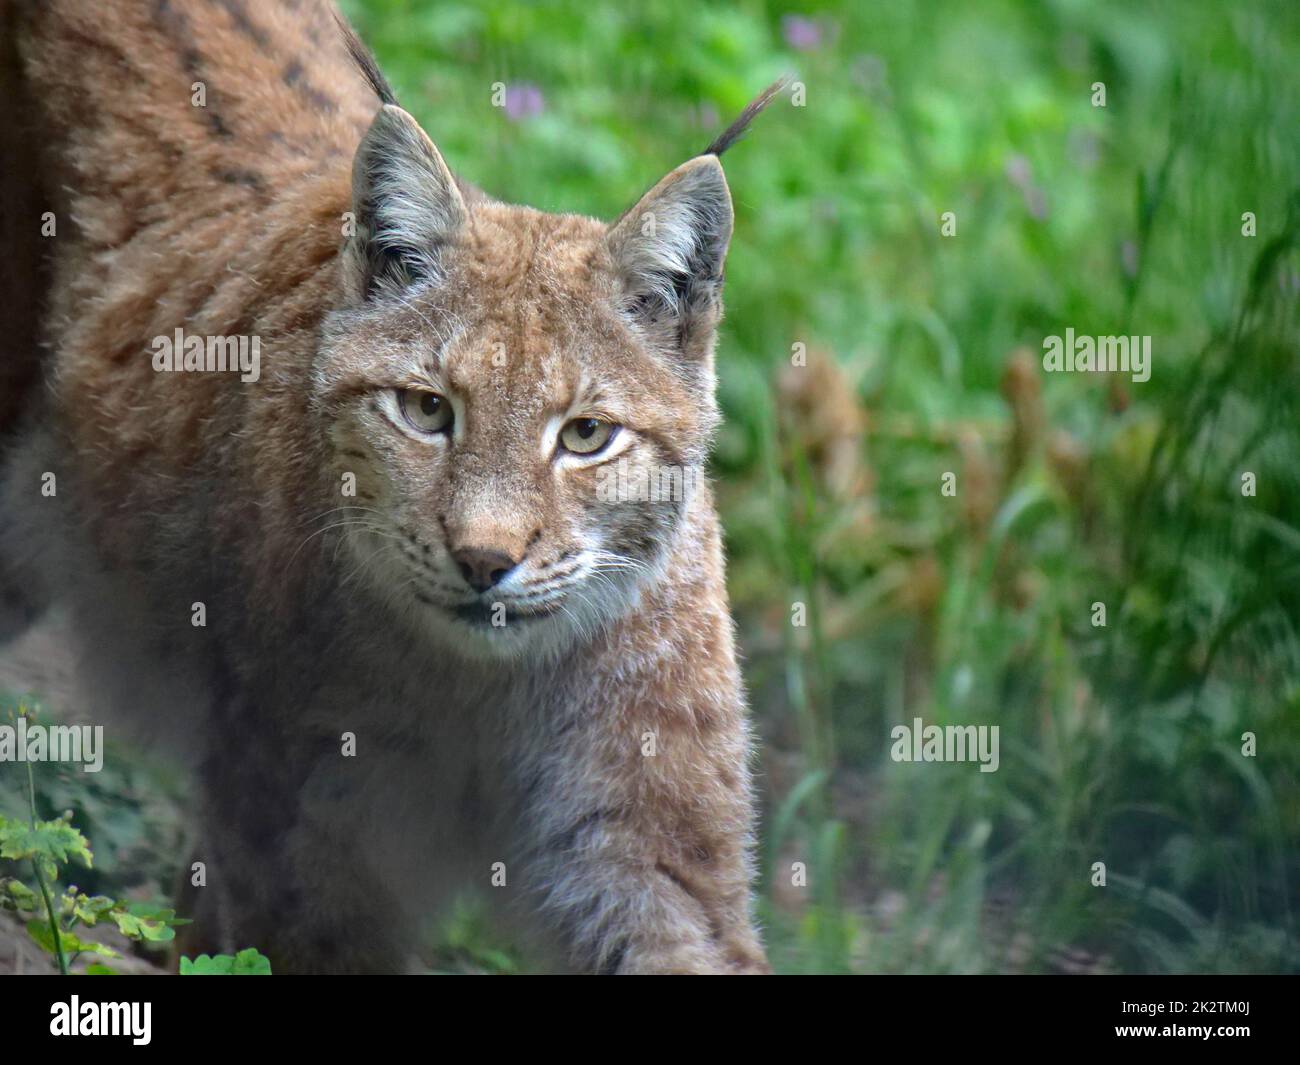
(523, 100)
(801, 34)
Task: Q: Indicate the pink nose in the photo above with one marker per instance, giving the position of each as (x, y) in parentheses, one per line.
(483, 567)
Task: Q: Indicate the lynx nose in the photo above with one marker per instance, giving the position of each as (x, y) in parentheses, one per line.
(482, 567)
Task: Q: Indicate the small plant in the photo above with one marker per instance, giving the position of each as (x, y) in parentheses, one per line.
(53, 925)
(246, 963)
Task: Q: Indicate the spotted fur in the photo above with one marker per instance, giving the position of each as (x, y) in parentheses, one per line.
(596, 744)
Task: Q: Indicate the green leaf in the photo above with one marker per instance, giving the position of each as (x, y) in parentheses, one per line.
(16, 895)
(50, 841)
(151, 912)
(205, 965)
(141, 928)
(251, 962)
(88, 909)
(246, 963)
(72, 944)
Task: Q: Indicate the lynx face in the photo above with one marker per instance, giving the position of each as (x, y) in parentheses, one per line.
(525, 399)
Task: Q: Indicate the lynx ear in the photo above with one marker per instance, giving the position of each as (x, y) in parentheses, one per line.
(669, 250)
(407, 205)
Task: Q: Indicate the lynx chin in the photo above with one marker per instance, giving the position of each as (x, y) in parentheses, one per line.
(492, 636)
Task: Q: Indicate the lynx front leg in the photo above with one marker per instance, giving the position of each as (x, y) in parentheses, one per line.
(640, 826)
(284, 821)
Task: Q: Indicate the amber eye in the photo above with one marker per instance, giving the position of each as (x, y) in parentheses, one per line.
(427, 412)
(586, 436)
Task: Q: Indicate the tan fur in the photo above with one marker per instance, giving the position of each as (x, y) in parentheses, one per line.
(328, 613)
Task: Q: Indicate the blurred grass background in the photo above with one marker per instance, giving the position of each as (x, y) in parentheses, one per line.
(1120, 744)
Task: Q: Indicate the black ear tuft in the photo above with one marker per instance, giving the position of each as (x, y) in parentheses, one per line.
(733, 132)
(365, 61)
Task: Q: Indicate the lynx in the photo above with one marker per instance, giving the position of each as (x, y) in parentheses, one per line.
(372, 589)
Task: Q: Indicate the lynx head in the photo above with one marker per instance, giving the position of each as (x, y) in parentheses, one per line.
(514, 389)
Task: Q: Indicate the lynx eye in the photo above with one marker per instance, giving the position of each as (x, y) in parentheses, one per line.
(424, 411)
(586, 436)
